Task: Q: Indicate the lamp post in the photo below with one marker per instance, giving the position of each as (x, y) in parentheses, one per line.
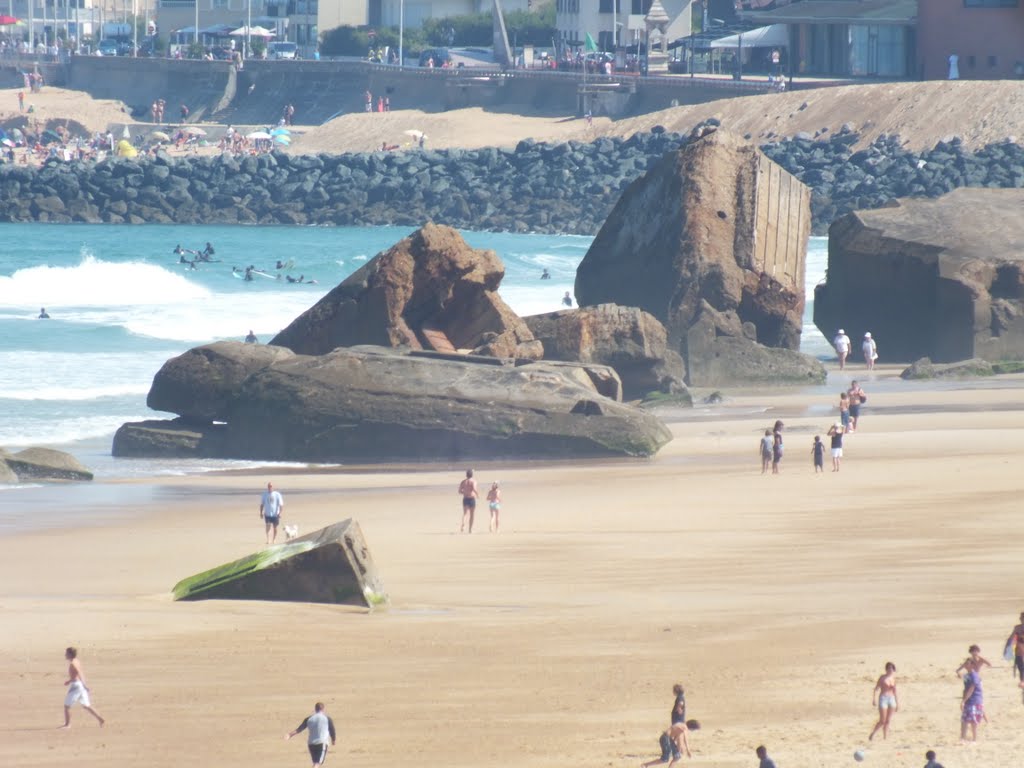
(196, 30)
(248, 29)
(401, 32)
(135, 29)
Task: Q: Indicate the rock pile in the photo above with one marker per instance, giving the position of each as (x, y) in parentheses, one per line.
(560, 188)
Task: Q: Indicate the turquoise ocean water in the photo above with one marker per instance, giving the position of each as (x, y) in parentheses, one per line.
(120, 305)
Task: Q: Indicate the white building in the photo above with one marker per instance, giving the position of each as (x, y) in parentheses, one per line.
(620, 25)
(385, 13)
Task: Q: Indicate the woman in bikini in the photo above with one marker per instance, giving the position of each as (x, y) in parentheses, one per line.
(887, 701)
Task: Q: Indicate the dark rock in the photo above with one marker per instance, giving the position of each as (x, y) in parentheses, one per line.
(175, 439)
(926, 369)
(332, 565)
(45, 464)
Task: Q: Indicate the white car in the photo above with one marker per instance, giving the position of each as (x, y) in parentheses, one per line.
(282, 49)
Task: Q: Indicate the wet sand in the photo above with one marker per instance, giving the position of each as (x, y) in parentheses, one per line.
(775, 600)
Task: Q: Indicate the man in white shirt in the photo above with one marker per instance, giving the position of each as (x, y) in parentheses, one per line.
(321, 728)
(270, 511)
(842, 344)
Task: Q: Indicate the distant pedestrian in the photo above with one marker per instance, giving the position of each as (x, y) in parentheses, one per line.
(251, 338)
(321, 730)
(857, 397)
(380, 104)
(887, 700)
(972, 704)
(184, 112)
(842, 344)
(954, 67)
(932, 762)
(973, 657)
(271, 505)
(369, 101)
(777, 447)
(870, 350)
(766, 450)
(844, 410)
(818, 454)
(494, 503)
(762, 754)
(21, 101)
(567, 300)
(836, 433)
(1015, 646)
(78, 691)
(467, 488)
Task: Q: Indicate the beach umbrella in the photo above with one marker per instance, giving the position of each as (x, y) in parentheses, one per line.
(415, 134)
(7, 21)
(48, 136)
(193, 130)
(258, 135)
(159, 136)
(7, 142)
(286, 140)
(252, 32)
(280, 132)
(125, 149)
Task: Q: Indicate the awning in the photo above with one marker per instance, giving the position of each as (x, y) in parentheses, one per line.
(216, 29)
(902, 12)
(774, 36)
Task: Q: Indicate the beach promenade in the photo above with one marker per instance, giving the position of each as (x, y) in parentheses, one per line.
(775, 600)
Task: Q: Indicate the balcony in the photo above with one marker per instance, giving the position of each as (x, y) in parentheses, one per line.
(177, 3)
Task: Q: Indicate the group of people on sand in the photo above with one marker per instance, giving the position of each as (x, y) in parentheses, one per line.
(469, 492)
(843, 345)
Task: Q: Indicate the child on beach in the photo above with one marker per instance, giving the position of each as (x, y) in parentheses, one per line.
(494, 501)
(78, 691)
(836, 433)
(766, 450)
(818, 452)
(844, 410)
(673, 743)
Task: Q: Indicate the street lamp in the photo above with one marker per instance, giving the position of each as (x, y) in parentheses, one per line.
(401, 32)
(248, 29)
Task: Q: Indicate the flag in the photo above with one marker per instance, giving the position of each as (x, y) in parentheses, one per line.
(590, 44)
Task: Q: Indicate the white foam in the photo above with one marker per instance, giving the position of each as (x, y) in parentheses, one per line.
(59, 432)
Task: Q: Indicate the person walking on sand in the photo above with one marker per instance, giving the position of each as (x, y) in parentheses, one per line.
(974, 657)
(762, 755)
(932, 762)
(321, 729)
(818, 454)
(673, 743)
(494, 502)
(271, 505)
(972, 705)
(777, 447)
(844, 410)
(836, 433)
(78, 691)
(856, 397)
(887, 700)
(1015, 644)
(842, 344)
(870, 350)
(766, 450)
(469, 495)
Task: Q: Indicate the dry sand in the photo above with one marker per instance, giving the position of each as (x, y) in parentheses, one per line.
(775, 600)
(921, 114)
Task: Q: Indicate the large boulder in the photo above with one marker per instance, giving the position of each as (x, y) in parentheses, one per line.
(963, 369)
(713, 223)
(628, 339)
(942, 279)
(174, 439)
(7, 475)
(430, 290)
(332, 565)
(198, 384)
(45, 464)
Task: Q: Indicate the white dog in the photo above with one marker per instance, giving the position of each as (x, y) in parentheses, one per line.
(290, 532)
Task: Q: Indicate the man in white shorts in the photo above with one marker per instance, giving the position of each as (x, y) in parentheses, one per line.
(271, 505)
(78, 691)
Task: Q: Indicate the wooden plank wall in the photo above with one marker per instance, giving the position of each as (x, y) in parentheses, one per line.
(782, 224)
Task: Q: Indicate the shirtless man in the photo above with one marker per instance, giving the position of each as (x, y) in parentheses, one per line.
(887, 702)
(468, 490)
(1016, 640)
(673, 743)
(857, 396)
(78, 691)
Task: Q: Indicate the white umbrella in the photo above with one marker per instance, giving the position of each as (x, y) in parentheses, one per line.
(7, 143)
(194, 131)
(252, 32)
(258, 135)
(126, 134)
(415, 134)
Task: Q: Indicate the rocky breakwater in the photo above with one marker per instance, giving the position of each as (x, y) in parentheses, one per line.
(560, 188)
(35, 464)
(712, 242)
(942, 279)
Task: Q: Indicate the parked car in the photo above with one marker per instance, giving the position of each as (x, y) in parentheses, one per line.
(107, 47)
(282, 49)
(439, 55)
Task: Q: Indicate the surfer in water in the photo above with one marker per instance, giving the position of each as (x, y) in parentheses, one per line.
(545, 275)
(206, 253)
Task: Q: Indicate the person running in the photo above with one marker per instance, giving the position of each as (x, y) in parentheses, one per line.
(818, 452)
(321, 728)
(673, 743)
(271, 505)
(469, 494)
(842, 344)
(765, 448)
(494, 502)
(78, 691)
(1015, 644)
(836, 433)
(777, 447)
(972, 705)
(885, 698)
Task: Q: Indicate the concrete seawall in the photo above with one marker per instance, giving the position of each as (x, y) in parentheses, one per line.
(215, 92)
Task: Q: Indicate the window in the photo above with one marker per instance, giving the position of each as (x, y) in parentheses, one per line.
(606, 6)
(991, 3)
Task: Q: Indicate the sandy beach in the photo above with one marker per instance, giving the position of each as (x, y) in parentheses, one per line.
(776, 601)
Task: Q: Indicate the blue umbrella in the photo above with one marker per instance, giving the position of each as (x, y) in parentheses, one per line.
(280, 132)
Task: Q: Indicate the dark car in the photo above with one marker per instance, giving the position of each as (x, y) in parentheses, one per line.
(441, 56)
